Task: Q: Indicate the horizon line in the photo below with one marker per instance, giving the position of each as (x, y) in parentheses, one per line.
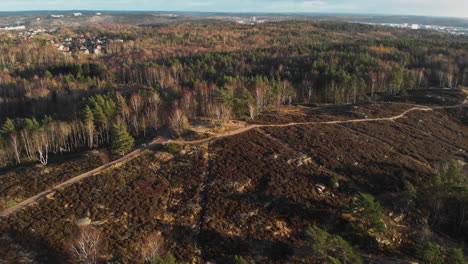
(228, 12)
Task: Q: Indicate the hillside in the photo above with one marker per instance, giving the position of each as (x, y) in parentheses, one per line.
(254, 194)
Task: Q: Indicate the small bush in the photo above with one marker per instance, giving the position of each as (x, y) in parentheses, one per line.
(431, 254)
(172, 148)
(170, 259)
(333, 182)
(240, 260)
(410, 190)
(456, 256)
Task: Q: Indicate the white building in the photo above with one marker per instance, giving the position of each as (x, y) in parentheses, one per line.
(77, 14)
(57, 16)
(13, 28)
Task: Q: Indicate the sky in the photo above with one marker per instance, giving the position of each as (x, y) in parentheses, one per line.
(447, 8)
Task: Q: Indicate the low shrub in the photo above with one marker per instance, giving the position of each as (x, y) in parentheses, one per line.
(171, 148)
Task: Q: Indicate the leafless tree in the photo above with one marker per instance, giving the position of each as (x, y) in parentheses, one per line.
(222, 112)
(152, 246)
(252, 110)
(41, 144)
(15, 146)
(178, 120)
(86, 245)
(152, 111)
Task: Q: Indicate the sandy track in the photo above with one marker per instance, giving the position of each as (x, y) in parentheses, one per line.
(135, 153)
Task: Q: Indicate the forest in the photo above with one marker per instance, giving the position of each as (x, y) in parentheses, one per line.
(158, 77)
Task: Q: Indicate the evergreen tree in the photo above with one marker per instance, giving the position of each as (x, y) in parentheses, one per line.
(368, 212)
(8, 127)
(437, 181)
(328, 248)
(87, 114)
(31, 124)
(122, 141)
(410, 190)
(453, 172)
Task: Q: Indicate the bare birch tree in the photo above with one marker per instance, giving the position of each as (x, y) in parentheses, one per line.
(86, 246)
(152, 246)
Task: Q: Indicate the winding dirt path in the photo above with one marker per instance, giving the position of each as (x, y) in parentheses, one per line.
(250, 127)
(135, 153)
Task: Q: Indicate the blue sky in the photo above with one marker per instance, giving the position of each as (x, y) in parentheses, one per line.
(453, 8)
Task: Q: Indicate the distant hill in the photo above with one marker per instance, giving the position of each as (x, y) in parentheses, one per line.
(43, 18)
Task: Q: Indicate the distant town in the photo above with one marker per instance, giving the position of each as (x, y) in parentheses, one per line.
(82, 44)
(446, 29)
(30, 22)
(68, 46)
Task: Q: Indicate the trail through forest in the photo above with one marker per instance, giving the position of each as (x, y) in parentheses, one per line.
(159, 141)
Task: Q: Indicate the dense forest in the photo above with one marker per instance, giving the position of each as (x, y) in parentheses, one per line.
(156, 77)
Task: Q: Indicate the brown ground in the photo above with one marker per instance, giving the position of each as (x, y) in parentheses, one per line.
(23, 182)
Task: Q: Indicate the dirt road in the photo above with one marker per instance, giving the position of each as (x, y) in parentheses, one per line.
(76, 179)
(250, 127)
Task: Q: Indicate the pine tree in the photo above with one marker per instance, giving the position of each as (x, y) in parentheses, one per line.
(87, 113)
(327, 248)
(410, 190)
(8, 127)
(453, 172)
(122, 141)
(368, 212)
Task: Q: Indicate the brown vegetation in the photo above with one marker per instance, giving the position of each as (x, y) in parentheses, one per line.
(253, 194)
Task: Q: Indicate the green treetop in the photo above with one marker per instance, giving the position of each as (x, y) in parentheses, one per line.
(122, 141)
(368, 212)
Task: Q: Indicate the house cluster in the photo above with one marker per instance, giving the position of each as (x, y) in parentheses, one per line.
(33, 32)
(250, 20)
(28, 34)
(84, 45)
(76, 14)
(22, 32)
(446, 29)
(13, 27)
